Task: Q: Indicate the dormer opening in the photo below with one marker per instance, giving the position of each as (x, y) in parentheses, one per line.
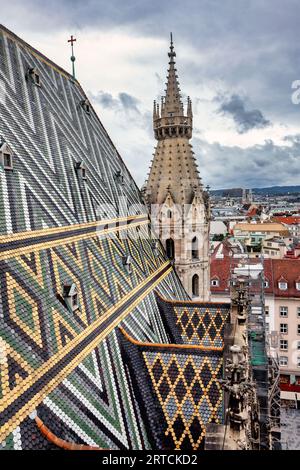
(81, 170)
(70, 296)
(127, 263)
(33, 75)
(6, 156)
(85, 104)
(119, 177)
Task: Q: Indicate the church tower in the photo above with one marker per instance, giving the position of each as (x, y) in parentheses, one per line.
(174, 192)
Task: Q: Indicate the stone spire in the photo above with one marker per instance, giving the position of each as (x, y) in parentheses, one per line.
(172, 100)
(169, 119)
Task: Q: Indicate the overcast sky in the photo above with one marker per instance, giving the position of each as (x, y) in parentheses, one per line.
(237, 60)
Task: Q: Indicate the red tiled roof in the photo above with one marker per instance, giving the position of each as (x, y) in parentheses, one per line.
(287, 269)
(288, 220)
(220, 267)
(275, 270)
(252, 211)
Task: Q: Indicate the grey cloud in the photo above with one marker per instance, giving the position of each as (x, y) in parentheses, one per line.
(128, 105)
(129, 102)
(258, 165)
(105, 99)
(251, 46)
(123, 101)
(244, 119)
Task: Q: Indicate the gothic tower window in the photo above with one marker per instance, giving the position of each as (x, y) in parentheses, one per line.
(195, 285)
(169, 214)
(170, 248)
(195, 248)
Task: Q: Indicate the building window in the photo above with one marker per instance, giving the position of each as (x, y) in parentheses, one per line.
(298, 345)
(170, 248)
(298, 329)
(71, 296)
(283, 311)
(195, 285)
(284, 344)
(6, 159)
(195, 249)
(298, 285)
(298, 312)
(283, 361)
(266, 283)
(283, 328)
(298, 361)
(266, 310)
(169, 214)
(282, 285)
(215, 282)
(75, 300)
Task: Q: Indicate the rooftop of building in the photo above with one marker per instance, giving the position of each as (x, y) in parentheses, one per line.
(275, 270)
(289, 220)
(260, 227)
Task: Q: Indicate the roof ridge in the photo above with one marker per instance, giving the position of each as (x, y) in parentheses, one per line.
(40, 55)
(197, 347)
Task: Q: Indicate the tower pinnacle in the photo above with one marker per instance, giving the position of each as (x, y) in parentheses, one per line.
(171, 120)
(172, 53)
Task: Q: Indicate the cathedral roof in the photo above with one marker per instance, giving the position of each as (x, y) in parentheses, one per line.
(63, 222)
(183, 394)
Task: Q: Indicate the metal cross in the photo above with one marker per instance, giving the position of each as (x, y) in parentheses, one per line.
(72, 40)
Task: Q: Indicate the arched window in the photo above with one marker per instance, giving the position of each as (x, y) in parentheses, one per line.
(195, 250)
(170, 248)
(169, 214)
(195, 285)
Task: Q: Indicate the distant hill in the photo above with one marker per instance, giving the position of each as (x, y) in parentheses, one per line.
(277, 190)
(272, 190)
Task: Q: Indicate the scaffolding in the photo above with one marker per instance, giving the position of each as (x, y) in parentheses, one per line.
(247, 286)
